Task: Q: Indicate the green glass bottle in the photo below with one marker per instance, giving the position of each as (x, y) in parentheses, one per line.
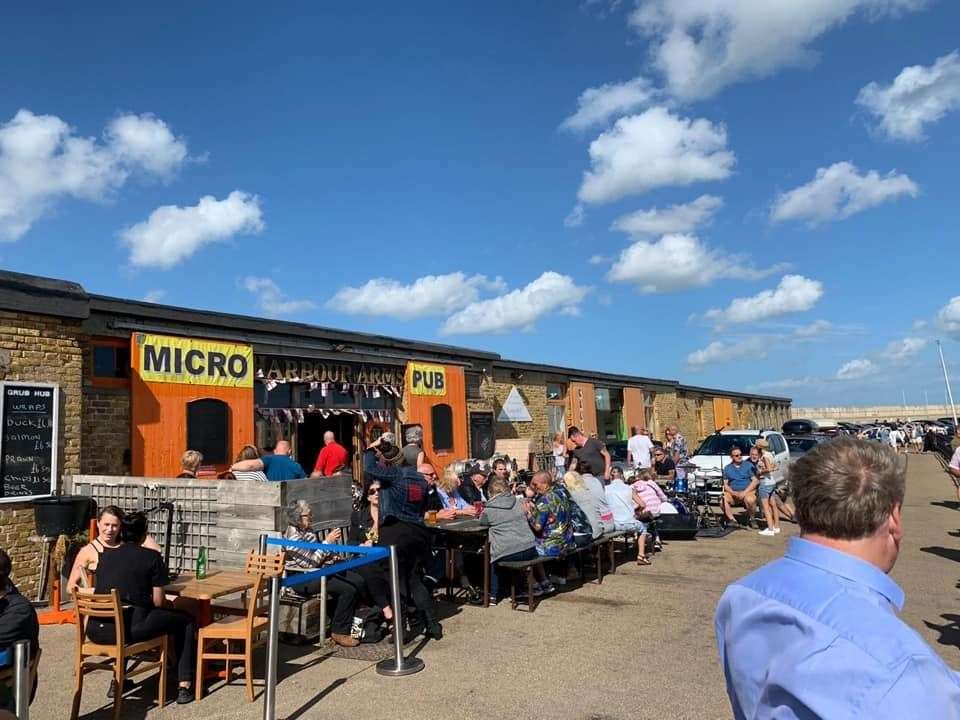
(202, 563)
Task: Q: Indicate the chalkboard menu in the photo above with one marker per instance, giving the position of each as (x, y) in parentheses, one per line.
(29, 413)
(481, 435)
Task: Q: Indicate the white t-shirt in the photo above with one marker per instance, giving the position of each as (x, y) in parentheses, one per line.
(955, 460)
(640, 447)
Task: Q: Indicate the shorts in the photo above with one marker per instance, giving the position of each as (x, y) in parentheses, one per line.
(632, 526)
(766, 491)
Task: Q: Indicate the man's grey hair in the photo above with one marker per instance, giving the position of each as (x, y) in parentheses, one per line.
(295, 509)
(413, 434)
(847, 488)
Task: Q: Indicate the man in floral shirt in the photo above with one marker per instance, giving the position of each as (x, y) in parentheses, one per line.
(676, 445)
(550, 517)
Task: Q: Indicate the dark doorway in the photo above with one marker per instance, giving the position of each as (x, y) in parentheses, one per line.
(310, 436)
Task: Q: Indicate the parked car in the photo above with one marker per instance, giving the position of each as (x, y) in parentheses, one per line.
(799, 427)
(802, 444)
(714, 452)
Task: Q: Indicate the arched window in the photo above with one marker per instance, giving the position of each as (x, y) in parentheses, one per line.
(208, 430)
(441, 422)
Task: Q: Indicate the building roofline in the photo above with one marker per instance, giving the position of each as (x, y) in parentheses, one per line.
(576, 373)
(732, 393)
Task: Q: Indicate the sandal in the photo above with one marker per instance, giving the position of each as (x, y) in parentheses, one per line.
(643, 561)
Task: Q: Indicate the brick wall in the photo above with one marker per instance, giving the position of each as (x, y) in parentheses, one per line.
(105, 424)
(42, 349)
(532, 388)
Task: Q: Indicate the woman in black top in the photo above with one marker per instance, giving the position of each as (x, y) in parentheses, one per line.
(139, 575)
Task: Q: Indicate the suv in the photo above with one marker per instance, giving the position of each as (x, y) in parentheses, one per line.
(714, 452)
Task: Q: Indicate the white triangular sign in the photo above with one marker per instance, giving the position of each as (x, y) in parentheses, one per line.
(514, 409)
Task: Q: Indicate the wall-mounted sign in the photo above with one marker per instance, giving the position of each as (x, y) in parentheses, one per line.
(271, 367)
(169, 359)
(482, 436)
(427, 379)
(30, 414)
(514, 409)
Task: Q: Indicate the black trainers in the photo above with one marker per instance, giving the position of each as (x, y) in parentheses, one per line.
(184, 696)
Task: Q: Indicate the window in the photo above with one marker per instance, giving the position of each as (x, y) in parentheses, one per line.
(111, 361)
(208, 430)
(650, 412)
(700, 427)
(556, 419)
(555, 392)
(441, 422)
(473, 380)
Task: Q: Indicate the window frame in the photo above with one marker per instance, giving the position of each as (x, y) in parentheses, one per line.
(104, 381)
(448, 410)
(207, 460)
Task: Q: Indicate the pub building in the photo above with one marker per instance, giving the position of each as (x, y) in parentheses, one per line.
(134, 384)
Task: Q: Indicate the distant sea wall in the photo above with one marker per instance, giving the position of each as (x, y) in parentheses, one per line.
(873, 412)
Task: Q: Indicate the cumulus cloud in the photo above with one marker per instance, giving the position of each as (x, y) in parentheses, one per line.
(598, 104)
(794, 293)
(918, 96)
(720, 352)
(272, 300)
(429, 295)
(674, 219)
(677, 262)
(702, 46)
(902, 350)
(839, 191)
(520, 308)
(817, 327)
(651, 150)
(173, 233)
(154, 296)
(856, 369)
(42, 161)
(949, 317)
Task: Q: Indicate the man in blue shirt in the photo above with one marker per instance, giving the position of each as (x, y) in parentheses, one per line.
(739, 486)
(278, 466)
(816, 633)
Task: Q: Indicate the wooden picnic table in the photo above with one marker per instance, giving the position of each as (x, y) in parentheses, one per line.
(467, 526)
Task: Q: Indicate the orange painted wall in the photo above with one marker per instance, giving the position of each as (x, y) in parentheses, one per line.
(416, 410)
(633, 415)
(158, 423)
(722, 413)
(583, 407)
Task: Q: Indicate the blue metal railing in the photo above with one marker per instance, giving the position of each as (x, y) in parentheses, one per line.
(371, 554)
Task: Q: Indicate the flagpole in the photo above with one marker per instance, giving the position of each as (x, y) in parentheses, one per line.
(946, 379)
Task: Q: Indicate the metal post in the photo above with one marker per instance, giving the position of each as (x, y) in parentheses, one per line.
(270, 689)
(323, 609)
(946, 379)
(262, 546)
(21, 678)
(397, 666)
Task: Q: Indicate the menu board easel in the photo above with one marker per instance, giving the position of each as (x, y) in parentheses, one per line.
(29, 442)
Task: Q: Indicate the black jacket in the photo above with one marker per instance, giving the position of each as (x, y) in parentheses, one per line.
(18, 620)
(470, 493)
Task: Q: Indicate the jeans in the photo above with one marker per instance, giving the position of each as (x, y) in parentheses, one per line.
(528, 554)
(412, 542)
(141, 624)
(346, 587)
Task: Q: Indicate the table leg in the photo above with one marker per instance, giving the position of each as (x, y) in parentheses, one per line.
(486, 572)
(449, 568)
(204, 614)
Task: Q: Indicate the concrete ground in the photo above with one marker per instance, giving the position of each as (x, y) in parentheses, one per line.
(641, 645)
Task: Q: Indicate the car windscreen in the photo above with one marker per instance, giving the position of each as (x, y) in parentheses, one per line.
(721, 444)
(801, 445)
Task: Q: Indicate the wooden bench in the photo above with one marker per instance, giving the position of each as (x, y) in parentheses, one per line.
(524, 567)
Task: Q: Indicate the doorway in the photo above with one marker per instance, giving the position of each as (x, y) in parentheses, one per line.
(310, 437)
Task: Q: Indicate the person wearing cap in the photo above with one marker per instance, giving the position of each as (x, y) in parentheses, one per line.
(474, 487)
(413, 455)
(403, 502)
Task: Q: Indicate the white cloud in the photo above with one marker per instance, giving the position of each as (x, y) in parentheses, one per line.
(429, 295)
(518, 309)
(154, 296)
(839, 191)
(597, 105)
(901, 350)
(794, 293)
(855, 369)
(674, 219)
(271, 299)
(786, 384)
(720, 352)
(949, 317)
(575, 218)
(701, 46)
(677, 262)
(651, 150)
(599, 260)
(42, 161)
(817, 327)
(173, 233)
(918, 96)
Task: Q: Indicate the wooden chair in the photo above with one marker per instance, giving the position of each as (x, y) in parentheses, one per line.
(115, 656)
(226, 634)
(267, 565)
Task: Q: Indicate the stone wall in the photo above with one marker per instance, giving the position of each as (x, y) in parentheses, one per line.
(869, 413)
(41, 349)
(532, 388)
(105, 423)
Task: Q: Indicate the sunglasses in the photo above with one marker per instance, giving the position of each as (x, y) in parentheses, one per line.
(372, 491)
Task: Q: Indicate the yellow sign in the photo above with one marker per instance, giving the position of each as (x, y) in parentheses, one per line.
(427, 379)
(167, 359)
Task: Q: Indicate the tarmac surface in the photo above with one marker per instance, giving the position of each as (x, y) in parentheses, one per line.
(641, 645)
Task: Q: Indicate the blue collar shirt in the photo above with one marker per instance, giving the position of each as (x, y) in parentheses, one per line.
(815, 634)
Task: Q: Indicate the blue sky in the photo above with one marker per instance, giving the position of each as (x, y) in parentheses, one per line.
(683, 190)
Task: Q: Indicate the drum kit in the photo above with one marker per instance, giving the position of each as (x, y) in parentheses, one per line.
(700, 492)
